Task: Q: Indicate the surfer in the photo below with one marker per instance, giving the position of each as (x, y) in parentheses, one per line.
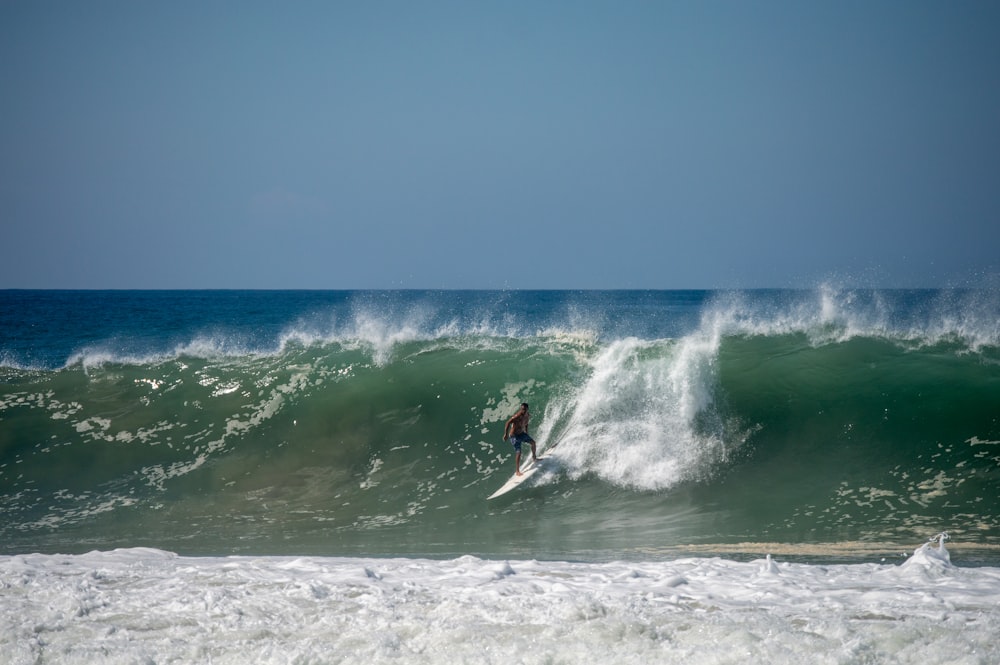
(516, 430)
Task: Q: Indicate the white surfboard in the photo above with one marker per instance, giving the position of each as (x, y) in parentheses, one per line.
(528, 469)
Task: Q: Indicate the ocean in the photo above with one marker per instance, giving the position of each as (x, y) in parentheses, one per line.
(301, 476)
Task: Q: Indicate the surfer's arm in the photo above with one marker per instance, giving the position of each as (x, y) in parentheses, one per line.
(510, 423)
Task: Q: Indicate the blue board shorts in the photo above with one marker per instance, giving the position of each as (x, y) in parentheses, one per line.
(517, 439)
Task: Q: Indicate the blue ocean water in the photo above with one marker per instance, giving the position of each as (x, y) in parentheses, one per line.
(825, 423)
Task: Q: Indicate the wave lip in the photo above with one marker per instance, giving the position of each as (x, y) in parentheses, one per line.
(968, 320)
(828, 315)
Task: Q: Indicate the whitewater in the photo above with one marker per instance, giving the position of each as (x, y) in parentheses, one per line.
(150, 606)
(748, 476)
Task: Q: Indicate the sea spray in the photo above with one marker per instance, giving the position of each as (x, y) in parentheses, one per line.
(635, 421)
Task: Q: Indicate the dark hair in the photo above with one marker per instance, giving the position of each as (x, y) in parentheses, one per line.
(524, 405)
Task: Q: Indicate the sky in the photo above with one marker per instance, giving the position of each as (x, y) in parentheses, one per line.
(520, 145)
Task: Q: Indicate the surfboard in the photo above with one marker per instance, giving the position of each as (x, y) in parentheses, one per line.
(528, 469)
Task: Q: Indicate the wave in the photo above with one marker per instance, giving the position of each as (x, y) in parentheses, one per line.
(805, 417)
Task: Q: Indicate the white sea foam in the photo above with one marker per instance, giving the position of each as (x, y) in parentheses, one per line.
(647, 401)
(138, 605)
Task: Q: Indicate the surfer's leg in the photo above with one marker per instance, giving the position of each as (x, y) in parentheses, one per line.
(516, 440)
(534, 455)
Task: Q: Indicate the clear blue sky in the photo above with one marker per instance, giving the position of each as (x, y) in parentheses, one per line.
(464, 144)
